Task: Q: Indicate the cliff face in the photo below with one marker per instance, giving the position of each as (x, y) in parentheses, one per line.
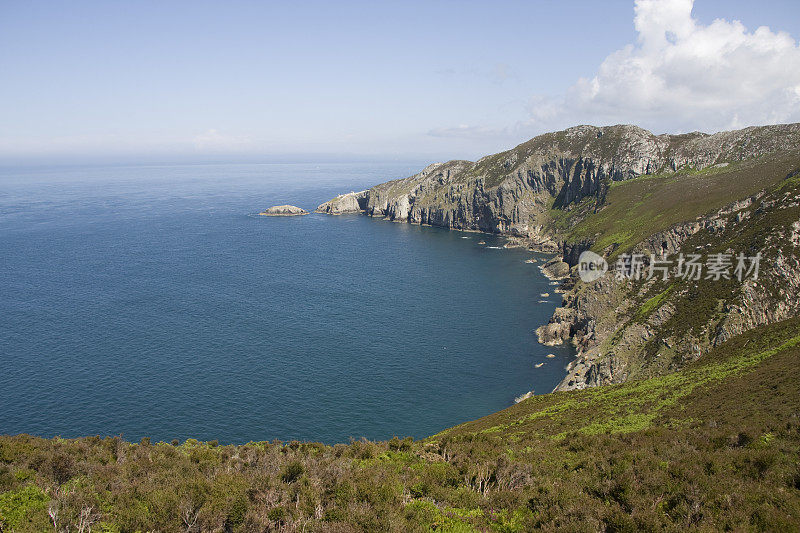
(352, 202)
(577, 189)
(632, 329)
(512, 192)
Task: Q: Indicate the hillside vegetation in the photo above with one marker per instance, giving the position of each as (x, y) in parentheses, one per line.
(716, 445)
(635, 328)
(633, 210)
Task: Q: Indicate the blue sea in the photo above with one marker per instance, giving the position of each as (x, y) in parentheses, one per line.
(153, 301)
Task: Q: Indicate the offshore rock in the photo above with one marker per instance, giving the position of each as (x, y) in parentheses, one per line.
(283, 211)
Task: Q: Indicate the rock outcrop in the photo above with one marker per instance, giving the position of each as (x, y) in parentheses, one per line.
(352, 202)
(283, 211)
(555, 269)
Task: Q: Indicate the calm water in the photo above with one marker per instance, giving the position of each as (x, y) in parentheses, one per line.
(150, 301)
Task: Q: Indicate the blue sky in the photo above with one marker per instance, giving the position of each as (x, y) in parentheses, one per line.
(382, 79)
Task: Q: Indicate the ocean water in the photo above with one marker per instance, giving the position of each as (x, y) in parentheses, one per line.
(153, 301)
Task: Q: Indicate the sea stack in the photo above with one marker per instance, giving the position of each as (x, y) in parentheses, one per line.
(283, 211)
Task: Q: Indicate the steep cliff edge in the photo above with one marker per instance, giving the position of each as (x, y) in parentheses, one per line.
(513, 192)
(619, 190)
(352, 202)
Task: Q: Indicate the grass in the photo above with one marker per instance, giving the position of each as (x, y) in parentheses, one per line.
(636, 209)
(653, 303)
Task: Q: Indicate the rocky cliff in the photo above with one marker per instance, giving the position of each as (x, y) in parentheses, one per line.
(636, 328)
(622, 189)
(512, 192)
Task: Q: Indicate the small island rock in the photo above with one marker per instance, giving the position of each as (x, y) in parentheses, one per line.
(283, 211)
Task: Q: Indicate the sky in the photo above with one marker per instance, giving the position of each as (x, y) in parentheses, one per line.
(239, 79)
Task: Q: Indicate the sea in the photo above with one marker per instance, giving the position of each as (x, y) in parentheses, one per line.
(154, 301)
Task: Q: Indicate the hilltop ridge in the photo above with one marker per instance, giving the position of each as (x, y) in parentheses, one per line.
(510, 191)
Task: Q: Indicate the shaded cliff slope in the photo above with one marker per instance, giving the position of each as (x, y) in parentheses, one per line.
(634, 328)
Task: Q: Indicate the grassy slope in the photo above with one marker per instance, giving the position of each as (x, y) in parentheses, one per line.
(713, 446)
(635, 209)
(661, 401)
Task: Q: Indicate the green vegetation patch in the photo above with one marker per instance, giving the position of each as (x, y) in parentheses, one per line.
(21, 508)
(636, 209)
(653, 303)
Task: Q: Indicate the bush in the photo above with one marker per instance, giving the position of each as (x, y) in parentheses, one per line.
(276, 514)
(23, 507)
(60, 467)
(292, 472)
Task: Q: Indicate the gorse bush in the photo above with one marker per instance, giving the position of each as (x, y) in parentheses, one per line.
(20, 509)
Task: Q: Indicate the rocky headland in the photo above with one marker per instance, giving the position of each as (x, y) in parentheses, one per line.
(620, 190)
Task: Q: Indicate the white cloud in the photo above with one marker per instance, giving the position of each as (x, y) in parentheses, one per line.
(682, 75)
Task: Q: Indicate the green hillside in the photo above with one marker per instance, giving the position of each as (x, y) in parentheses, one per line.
(714, 446)
(633, 210)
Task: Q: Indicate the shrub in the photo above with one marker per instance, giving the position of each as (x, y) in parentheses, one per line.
(60, 467)
(276, 514)
(24, 506)
(292, 472)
